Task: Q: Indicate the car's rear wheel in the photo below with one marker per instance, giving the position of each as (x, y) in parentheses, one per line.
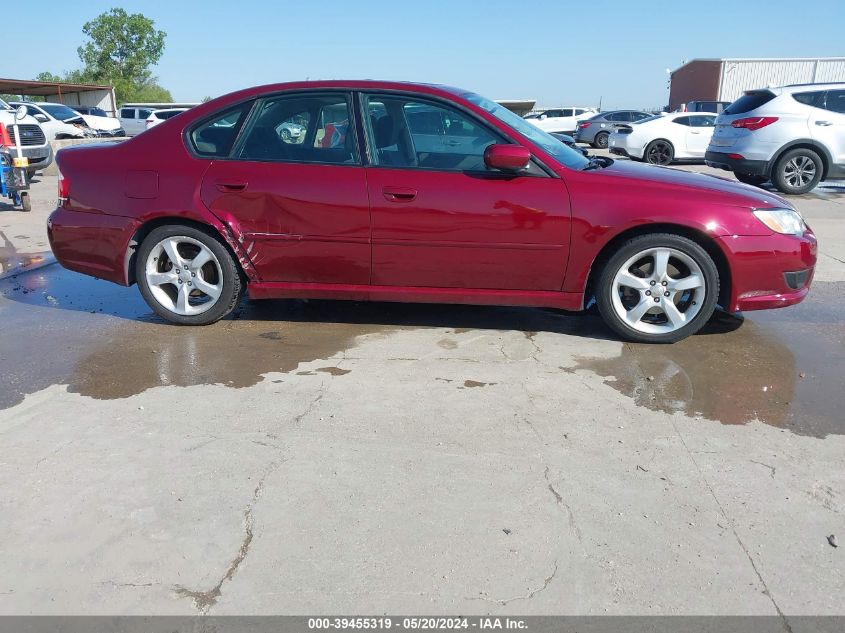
(601, 140)
(750, 179)
(187, 276)
(798, 171)
(658, 288)
(659, 152)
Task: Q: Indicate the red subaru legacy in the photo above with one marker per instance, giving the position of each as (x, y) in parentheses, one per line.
(410, 192)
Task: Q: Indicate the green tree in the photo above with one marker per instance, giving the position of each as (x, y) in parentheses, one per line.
(121, 47)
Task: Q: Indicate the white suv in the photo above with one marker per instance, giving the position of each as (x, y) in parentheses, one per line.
(793, 136)
(560, 120)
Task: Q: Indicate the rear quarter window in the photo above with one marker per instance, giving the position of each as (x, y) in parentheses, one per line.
(214, 137)
(750, 101)
(814, 98)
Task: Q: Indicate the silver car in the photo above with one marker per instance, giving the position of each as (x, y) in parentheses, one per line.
(792, 135)
(596, 130)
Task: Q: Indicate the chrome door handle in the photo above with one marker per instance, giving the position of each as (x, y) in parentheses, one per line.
(824, 123)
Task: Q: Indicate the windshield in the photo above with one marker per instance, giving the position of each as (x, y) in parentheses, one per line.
(563, 154)
(647, 119)
(59, 111)
(4, 105)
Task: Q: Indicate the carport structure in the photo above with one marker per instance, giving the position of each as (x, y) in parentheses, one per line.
(68, 93)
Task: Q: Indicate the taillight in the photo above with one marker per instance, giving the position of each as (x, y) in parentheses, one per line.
(64, 188)
(584, 125)
(754, 122)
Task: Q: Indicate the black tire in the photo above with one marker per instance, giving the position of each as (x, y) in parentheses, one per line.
(659, 152)
(787, 177)
(605, 286)
(233, 286)
(601, 140)
(750, 179)
(26, 202)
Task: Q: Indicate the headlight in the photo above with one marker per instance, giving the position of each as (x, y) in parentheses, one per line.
(786, 221)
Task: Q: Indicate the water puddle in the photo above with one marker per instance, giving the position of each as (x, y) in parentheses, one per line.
(782, 367)
(103, 341)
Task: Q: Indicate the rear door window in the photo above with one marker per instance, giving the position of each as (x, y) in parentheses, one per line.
(312, 128)
(683, 120)
(750, 101)
(127, 113)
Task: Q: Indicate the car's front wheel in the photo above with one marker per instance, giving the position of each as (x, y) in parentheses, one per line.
(601, 140)
(798, 171)
(658, 288)
(187, 276)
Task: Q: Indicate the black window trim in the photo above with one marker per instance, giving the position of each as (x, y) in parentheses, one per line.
(187, 135)
(240, 138)
(253, 100)
(542, 170)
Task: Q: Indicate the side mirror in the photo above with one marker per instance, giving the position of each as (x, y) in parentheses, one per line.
(511, 158)
(41, 118)
(543, 117)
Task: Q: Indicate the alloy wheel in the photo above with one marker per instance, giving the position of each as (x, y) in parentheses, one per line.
(183, 275)
(799, 171)
(658, 290)
(659, 153)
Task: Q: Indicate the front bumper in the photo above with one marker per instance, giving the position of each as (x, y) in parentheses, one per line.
(721, 160)
(769, 271)
(112, 133)
(39, 157)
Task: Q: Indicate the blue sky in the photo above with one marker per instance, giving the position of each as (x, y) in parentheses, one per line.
(559, 53)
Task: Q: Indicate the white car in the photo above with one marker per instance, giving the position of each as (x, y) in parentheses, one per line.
(97, 119)
(793, 135)
(157, 116)
(57, 120)
(664, 139)
(560, 120)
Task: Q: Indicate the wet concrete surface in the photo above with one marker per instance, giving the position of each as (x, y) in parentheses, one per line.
(103, 341)
(782, 367)
(11, 259)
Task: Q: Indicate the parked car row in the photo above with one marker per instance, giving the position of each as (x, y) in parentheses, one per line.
(793, 136)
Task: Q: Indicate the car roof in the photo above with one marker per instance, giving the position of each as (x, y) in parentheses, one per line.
(825, 86)
(675, 115)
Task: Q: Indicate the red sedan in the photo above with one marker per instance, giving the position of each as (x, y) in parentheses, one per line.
(409, 192)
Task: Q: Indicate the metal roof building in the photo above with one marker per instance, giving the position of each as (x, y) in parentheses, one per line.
(67, 93)
(727, 79)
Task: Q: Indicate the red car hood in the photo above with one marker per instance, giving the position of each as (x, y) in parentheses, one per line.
(727, 190)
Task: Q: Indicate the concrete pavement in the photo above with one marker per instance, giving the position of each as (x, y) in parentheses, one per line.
(331, 457)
